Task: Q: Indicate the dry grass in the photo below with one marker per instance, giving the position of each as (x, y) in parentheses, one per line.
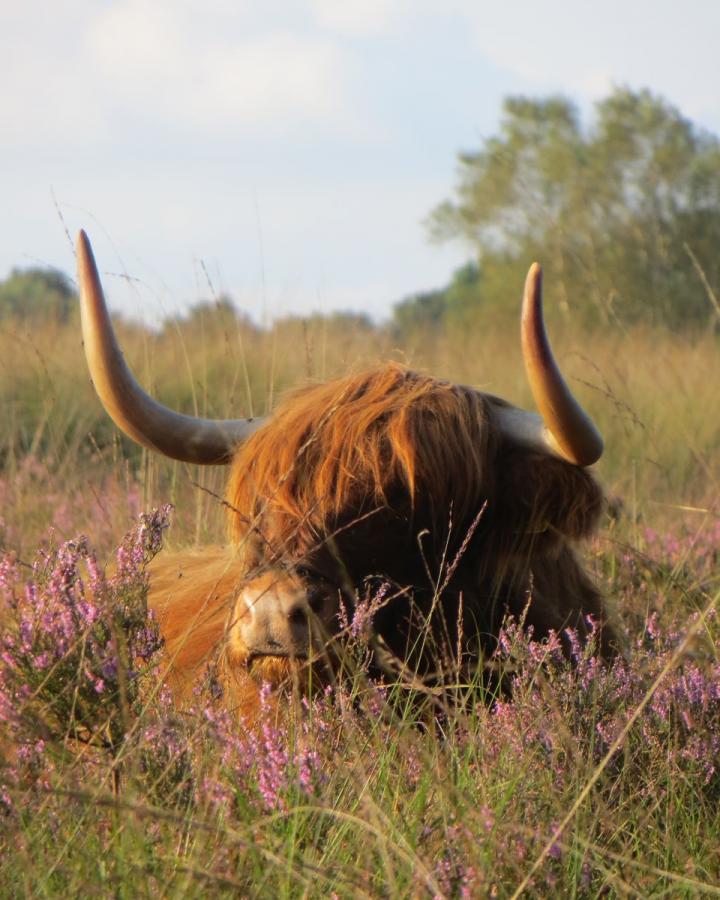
(472, 807)
(653, 394)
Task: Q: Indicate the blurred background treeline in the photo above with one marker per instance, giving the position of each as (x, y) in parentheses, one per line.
(624, 215)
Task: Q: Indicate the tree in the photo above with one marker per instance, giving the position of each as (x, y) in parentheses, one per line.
(625, 215)
(455, 304)
(419, 312)
(37, 294)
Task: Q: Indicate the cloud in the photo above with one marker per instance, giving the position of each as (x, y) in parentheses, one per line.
(86, 72)
(82, 74)
(47, 96)
(183, 126)
(583, 48)
(359, 17)
(168, 61)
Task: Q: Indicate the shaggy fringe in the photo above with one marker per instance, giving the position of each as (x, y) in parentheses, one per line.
(335, 451)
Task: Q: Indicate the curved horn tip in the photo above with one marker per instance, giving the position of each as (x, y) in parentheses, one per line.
(533, 281)
(593, 454)
(85, 256)
(83, 242)
(570, 431)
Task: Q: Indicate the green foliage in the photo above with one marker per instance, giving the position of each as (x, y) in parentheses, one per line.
(211, 315)
(624, 215)
(37, 294)
(431, 309)
(419, 311)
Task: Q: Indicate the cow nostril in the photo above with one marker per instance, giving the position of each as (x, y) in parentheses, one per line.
(297, 616)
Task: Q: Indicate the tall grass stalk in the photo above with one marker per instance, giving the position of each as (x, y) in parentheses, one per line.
(583, 781)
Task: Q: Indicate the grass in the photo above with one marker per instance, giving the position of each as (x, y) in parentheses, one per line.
(652, 394)
(589, 781)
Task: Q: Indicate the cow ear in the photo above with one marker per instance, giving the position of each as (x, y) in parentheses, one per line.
(540, 494)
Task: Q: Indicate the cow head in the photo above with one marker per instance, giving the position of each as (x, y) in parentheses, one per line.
(388, 475)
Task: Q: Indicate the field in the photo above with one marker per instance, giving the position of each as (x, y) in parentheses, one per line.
(586, 781)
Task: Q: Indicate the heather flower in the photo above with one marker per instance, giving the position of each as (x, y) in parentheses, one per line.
(487, 817)
(413, 765)
(555, 851)
(8, 572)
(49, 506)
(359, 625)
(166, 752)
(510, 761)
(272, 756)
(455, 876)
(78, 645)
(309, 763)
(281, 762)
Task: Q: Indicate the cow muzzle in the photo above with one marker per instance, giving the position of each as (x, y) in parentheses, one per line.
(279, 616)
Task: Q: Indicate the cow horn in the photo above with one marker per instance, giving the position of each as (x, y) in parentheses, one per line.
(186, 438)
(565, 428)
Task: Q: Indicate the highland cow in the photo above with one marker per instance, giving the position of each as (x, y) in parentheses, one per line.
(452, 506)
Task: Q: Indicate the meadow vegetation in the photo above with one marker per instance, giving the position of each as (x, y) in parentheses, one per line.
(585, 780)
(535, 774)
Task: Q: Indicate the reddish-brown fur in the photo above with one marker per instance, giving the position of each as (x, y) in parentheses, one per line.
(389, 473)
(194, 596)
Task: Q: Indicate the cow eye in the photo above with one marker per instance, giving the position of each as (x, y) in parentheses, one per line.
(312, 576)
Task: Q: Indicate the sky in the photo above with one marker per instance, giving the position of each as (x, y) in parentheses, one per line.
(289, 152)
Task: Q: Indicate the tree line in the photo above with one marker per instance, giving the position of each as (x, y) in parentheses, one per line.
(624, 214)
